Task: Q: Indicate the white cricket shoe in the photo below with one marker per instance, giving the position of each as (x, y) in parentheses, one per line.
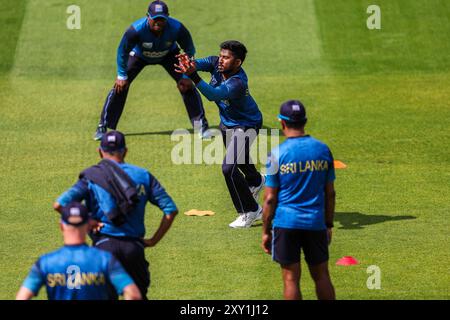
(256, 190)
(203, 130)
(259, 214)
(245, 220)
(236, 223)
(206, 134)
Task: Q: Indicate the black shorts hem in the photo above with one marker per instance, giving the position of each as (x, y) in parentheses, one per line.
(289, 244)
(315, 263)
(285, 262)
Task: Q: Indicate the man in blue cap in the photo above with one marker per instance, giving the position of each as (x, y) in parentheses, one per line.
(77, 271)
(155, 39)
(117, 193)
(299, 203)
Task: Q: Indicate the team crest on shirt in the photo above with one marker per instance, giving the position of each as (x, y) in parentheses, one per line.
(147, 45)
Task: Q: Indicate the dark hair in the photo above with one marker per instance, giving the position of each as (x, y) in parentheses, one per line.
(238, 49)
(116, 153)
(295, 125)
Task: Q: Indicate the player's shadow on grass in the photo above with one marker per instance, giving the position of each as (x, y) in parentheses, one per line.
(257, 224)
(357, 220)
(170, 132)
(157, 133)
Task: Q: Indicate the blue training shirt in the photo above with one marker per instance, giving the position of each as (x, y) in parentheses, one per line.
(101, 203)
(236, 106)
(77, 272)
(149, 47)
(300, 168)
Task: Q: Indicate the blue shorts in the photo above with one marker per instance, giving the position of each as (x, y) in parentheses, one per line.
(287, 245)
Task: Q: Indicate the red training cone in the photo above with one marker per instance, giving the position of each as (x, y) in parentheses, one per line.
(346, 261)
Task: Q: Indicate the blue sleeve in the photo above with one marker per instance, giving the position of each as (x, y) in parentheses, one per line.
(231, 89)
(159, 197)
(129, 40)
(185, 41)
(78, 192)
(118, 276)
(206, 64)
(272, 178)
(35, 280)
(331, 176)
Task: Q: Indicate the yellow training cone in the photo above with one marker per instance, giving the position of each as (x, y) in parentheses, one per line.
(195, 212)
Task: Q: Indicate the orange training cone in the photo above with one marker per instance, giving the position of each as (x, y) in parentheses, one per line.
(339, 165)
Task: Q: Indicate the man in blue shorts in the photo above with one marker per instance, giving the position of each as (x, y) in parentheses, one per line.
(117, 193)
(299, 203)
(155, 39)
(77, 271)
(240, 121)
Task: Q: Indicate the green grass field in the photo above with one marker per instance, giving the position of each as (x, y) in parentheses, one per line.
(379, 98)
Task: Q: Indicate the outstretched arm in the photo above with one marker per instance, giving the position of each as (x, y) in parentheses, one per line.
(128, 42)
(185, 41)
(211, 93)
(231, 89)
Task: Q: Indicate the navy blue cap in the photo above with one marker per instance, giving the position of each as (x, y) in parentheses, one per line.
(158, 9)
(113, 141)
(292, 111)
(75, 214)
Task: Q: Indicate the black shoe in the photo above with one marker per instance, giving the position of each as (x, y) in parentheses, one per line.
(101, 130)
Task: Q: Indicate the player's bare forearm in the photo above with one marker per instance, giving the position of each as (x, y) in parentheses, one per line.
(166, 223)
(330, 203)
(120, 85)
(131, 292)
(24, 294)
(270, 203)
